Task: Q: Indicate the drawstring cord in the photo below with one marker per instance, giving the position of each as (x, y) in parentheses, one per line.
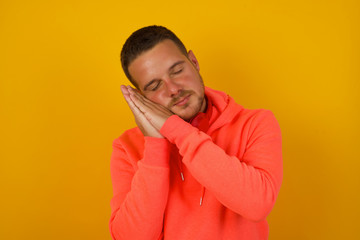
(202, 195)
(179, 163)
(183, 179)
(180, 167)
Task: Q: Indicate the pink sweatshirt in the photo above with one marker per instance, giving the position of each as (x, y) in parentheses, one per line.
(218, 183)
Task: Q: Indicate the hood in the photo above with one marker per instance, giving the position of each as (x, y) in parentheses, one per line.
(224, 109)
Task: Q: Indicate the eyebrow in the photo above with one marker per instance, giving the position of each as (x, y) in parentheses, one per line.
(170, 68)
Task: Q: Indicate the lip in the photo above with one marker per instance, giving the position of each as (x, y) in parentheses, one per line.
(183, 101)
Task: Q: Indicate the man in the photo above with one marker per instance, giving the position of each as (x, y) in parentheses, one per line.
(198, 165)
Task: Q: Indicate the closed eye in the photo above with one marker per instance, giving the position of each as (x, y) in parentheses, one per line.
(177, 72)
(152, 85)
(177, 67)
(155, 86)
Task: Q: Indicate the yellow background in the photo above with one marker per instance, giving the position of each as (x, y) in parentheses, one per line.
(61, 106)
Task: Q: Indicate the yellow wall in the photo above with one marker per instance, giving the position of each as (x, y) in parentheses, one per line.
(61, 107)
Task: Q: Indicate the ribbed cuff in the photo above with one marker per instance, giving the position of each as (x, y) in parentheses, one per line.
(176, 129)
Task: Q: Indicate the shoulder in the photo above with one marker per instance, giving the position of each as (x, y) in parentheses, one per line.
(131, 138)
(127, 149)
(246, 115)
(256, 114)
(255, 117)
(252, 120)
(260, 122)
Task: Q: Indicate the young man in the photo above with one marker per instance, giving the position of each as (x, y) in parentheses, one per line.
(198, 165)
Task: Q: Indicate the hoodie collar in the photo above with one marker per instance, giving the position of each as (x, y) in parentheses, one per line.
(202, 119)
(220, 110)
(224, 108)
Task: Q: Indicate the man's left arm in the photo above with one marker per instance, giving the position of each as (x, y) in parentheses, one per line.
(248, 186)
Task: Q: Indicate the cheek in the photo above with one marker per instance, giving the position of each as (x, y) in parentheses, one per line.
(157, 97)
(194, 83)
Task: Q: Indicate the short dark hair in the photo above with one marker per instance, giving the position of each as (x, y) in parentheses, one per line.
(145, 39)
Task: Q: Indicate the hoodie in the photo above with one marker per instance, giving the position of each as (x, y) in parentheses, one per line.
(216, 177)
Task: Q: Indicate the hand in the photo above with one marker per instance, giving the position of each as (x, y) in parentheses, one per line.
(155, 113)
(145, 126)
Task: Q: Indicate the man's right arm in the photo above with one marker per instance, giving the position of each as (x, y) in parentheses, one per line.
(140, 189)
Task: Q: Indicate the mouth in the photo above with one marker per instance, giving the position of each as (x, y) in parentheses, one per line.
(182, 101)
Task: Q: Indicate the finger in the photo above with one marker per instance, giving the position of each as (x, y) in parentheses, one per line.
(138, 103)
(135, 110)
(135, 92)
(139, 99)
(124, 90)
(146, 106)
(136, 96)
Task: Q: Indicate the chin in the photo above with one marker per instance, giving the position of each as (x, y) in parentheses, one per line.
(190, 111)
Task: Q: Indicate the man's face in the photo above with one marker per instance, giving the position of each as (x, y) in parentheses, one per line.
(167, 77)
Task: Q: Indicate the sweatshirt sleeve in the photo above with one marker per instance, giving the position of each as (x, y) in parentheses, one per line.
(248, 186)
(139, 193)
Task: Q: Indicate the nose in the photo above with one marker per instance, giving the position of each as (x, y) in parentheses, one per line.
(173, 88)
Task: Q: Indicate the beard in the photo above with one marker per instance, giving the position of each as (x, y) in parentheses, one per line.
(191, 108)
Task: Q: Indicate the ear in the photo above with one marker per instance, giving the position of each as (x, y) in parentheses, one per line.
(193, 60)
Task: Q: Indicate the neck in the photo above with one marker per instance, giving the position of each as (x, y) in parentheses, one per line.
(204, 105)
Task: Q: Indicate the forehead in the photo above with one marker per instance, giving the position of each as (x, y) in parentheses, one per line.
(155, 62)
